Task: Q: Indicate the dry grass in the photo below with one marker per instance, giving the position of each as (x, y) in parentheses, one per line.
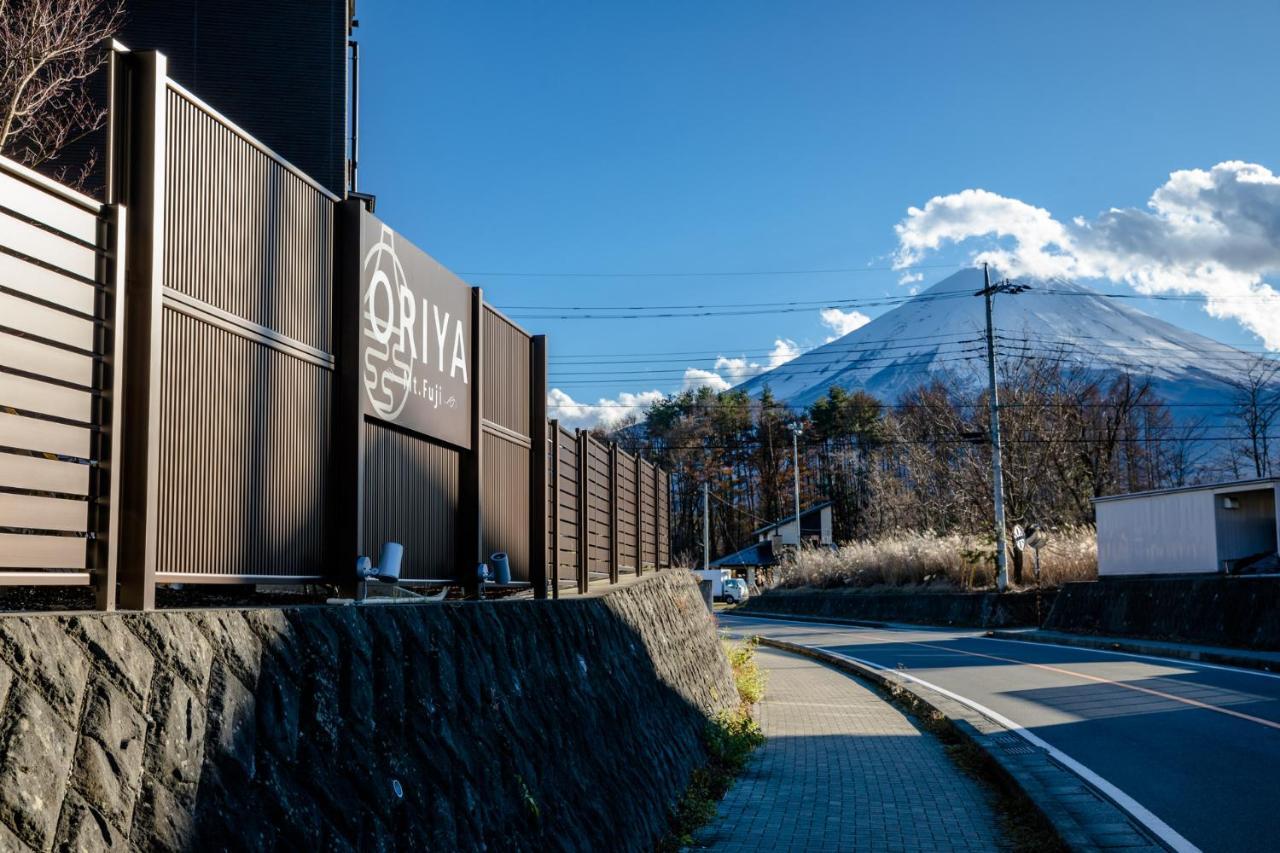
(951, 561)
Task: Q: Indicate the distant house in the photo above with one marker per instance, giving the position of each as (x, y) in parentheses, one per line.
(758, 555)
(815, 528)
(1224, 528)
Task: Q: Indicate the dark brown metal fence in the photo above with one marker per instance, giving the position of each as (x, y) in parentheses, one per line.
(595, 537)
(61, 285)
(206, 425)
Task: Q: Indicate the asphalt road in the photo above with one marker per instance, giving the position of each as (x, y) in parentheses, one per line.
(1194, 746)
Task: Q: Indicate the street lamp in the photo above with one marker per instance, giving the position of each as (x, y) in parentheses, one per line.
(796, 429)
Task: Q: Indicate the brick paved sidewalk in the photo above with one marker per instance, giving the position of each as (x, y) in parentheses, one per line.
(843, 769)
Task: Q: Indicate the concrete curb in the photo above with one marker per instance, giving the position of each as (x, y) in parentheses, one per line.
(1202, 654)
(1084, 819)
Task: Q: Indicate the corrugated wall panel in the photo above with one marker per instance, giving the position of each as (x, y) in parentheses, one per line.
(411, 497)
(506, 502)
(506, 381)
(244, 441)
(243, 233)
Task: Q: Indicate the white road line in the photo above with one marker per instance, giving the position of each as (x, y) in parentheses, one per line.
(1236, 670)
(1155, 825)
(1136, 810)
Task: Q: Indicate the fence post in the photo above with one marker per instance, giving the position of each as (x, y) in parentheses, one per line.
(637, 482)
(584, 516)
(471, 528)
(139, 467)
(346, 497)
(538, 465)
(657, 523)
(613, 514)
(104, 487)
(554, 430)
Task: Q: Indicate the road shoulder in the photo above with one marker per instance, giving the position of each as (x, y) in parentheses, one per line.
(1083, 817)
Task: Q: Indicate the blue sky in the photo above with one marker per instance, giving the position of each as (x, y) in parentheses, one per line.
(754, 136)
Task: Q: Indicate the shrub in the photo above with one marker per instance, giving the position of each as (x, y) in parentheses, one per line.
(949, 561)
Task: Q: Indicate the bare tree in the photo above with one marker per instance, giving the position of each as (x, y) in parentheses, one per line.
(1255, 405)
(49, 50)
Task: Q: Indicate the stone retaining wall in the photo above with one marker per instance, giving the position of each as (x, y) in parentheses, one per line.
(1213, 610)
(960, 609)
(501, 725)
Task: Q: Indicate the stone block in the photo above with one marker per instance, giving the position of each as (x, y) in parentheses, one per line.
(234, 640)
(162, 821)
(9, 841)
(232, 722)
(177, 741)
(6, 679)
(108, 762)
(35, 758)
(118, 651)
(278, 708)
(175, 639)
(83, 830)
(40, 651)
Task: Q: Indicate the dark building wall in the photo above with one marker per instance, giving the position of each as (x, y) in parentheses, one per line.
(278, 69)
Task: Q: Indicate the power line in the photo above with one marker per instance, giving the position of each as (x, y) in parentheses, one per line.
(892, 360)
(709, 273)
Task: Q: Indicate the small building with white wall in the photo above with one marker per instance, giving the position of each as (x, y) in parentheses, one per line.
(815, 528)
(1222, 528)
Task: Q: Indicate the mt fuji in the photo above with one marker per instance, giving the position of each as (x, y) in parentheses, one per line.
(940, 334)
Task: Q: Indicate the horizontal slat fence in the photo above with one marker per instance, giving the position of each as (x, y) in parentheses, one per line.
(61, 281)
(607, 511)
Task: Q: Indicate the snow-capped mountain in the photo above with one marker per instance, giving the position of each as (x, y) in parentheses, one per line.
(940, 334)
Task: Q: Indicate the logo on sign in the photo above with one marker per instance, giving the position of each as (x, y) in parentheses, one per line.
(404, 337)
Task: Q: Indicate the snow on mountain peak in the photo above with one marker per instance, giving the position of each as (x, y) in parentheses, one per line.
(940, 335)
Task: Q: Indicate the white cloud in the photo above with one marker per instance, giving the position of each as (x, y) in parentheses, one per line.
(1214, 233)
(784, 349)
(842, 322)
(605, 412)
(695, 378)
(728, 372)
(910, 278)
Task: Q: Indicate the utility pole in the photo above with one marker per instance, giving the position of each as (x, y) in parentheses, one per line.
(795, 465)
(706, 526)
(997, 476)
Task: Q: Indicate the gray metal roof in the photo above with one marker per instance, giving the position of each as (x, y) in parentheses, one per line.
(759, 554)
(1230, 486)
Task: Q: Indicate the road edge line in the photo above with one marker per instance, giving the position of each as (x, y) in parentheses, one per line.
(914, 694)
(1209, 659)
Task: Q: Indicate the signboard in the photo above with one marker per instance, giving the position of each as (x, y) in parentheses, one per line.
(415, 337)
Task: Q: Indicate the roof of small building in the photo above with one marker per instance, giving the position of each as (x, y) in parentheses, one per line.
(759, 554)
(803, 513)
(1229, 486)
